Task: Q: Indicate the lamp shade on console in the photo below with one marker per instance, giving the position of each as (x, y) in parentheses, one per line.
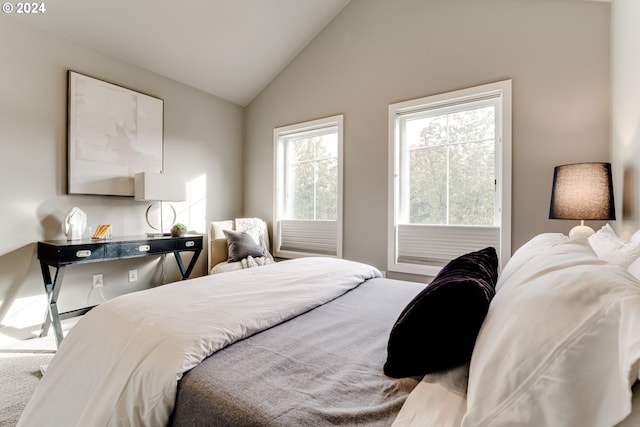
(159, 187)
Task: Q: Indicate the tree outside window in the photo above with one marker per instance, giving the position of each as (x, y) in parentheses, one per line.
(452, 168)
(313, 178)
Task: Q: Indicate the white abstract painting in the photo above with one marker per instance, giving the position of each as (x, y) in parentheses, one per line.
(114, 133)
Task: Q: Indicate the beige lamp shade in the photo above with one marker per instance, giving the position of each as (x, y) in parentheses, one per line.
(150, 186)
(159, 188)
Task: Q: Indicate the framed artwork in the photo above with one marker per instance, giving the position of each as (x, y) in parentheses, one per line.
(113, 133)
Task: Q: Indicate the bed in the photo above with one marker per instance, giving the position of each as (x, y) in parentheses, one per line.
(312, 341)
(330, 358)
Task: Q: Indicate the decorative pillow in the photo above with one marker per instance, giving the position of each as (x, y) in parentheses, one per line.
(559, 345)
(258, 229)
(241, 245)
(609, 247)
(438, 328)
(254, 233)
(439, 400)
(634, 269)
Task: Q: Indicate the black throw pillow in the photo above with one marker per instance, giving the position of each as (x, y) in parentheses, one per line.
(241, 245)
(438, 328)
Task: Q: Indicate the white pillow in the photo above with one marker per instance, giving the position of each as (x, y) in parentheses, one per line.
(438, 400)
(634, 269)
(537, 245)
(559, 346)
(254, 232)
(609, 247)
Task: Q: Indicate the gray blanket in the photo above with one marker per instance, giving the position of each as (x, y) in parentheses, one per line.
(321, 368)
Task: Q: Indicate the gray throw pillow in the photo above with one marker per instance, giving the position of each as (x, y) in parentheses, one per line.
(241, 245)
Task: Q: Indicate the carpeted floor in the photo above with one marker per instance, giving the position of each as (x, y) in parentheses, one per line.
(19, 374)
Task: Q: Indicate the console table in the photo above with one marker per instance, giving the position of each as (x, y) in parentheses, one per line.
(61, 253)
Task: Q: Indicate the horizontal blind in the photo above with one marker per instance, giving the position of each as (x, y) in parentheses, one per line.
(314, 237)
(436, 245)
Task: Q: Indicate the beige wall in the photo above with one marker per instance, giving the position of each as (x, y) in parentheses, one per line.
(378, 52)
(625, 108)
(374, 53)
(202, 136)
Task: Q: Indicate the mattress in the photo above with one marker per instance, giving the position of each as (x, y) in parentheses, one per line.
(323, 367)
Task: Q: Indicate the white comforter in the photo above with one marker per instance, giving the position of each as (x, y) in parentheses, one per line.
(119, 366)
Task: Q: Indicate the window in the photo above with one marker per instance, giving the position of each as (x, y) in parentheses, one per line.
(308, 189)
(449, 177)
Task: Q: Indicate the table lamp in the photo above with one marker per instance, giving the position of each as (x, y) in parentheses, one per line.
(582, 191)
(159, 188)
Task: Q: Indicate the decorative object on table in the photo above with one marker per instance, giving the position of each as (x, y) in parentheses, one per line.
(159, 188)
(102, 232)
(113, 132)
(178, 230)
(75, 224)
(582, 191)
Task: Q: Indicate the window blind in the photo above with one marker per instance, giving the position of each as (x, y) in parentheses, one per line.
(436, 245)
(307, 236)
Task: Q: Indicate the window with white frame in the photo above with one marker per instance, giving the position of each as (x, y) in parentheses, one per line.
(308, 189)
(449, 177)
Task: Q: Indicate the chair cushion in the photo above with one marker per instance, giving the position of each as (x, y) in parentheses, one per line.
(218, 242)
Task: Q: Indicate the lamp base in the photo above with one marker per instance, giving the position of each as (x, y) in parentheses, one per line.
(580, 232)
(161, 224)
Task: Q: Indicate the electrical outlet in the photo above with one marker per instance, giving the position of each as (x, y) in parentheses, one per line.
(133, 276)
(98, 281)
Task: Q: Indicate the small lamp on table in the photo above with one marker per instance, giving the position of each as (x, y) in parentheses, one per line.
(582, 191)
(159, 188)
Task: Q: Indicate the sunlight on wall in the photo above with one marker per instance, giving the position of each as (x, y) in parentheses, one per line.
(23, 311)
(193, 212)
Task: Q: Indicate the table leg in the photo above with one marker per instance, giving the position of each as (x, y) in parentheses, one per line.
(53, 290)
(186, 273)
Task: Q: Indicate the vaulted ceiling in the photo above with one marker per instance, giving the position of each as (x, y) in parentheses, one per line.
(228, 48)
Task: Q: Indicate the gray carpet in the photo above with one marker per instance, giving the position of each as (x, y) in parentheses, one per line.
(20, 372)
